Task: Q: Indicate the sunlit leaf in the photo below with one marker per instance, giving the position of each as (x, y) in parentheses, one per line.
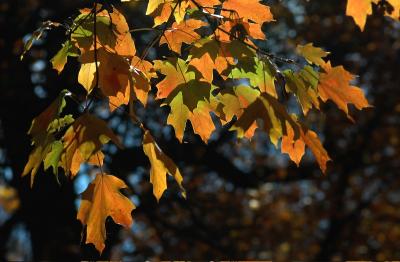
(60, 59)
(273, 114)
(181, 33)
(161, 166)
(335, 85)
(83, 140)
(312, 54)
(100, 200)
(250, 10)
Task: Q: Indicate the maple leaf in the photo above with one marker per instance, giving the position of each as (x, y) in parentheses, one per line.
(395, 13)
(83, 141)
(295, 148)
(312, 54)
(249, 10)
(41, 122)
(334, 85)
(115, 77)
(112, 32)
(86, 76)
(142, 71)
(161, 165)
(115, 50)
(233, 101)
(60, 59)
(188, 98)
(176, 72)
(205, 4)
(38, 154)
(161, 10)
(191, 101)
(258, 73)
(206, 55)
(304, 85)
(183, 32)
(102, 199)
(42, 131)
(273, 114)
(360, 9)
(240, 30)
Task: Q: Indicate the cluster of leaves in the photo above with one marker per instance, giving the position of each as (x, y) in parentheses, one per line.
(215, 67)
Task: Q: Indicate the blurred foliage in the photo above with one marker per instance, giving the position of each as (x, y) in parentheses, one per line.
(244, 201)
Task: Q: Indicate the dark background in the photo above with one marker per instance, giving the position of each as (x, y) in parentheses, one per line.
(245, 200)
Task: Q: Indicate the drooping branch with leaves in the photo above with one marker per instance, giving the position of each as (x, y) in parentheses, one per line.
(216, 71)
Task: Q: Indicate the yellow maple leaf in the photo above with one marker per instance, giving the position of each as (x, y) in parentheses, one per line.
(161, 165)
(312, 54)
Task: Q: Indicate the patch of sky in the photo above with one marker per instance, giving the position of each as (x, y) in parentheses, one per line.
(38, 66)
(19, 246)
(4, 216)
(2, 155)
(81, 182)
(38, 78)
(135, 200)
(167, 132)
(40, 92)
(121, 128)
(323, 224)
(212, 183)
(241, 165)
(128, 246)
(102, 111)
(138, 227)
(136, 177)
(7, 173)
(297, 9)
(111, 148)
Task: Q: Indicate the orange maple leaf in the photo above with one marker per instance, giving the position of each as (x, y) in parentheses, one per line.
(334, 85)
(101, 199)
(249, 10)
(183, 32)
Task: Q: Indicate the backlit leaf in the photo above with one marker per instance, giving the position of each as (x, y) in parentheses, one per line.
(60, 59)
(100, 200)
(304, 85)
(42, 130)
(181, 33)
(259, 74)
(295, 148)
(249, 10)
(312, 54)
(161, 165)
(273, 114)
(360, 9)
(83, 140)
(335, 85)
